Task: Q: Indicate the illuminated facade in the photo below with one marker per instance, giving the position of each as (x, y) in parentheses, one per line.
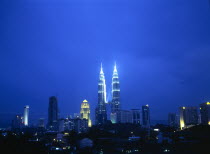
(146, 116)
(188, 117)
(85, 112)
(25, 116)
(100, 112)
(53, 113)
(115, 104)
(205, 113)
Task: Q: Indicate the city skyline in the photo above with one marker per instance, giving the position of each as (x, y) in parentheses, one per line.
(161, 49)
(117, 115)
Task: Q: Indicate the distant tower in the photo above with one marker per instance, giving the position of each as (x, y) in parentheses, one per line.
(53, 113)
(17, 122)
(25, 116)
(146, 116)
(205, 113)
(172, 120)
(100, 112)
(41, 123)
(115, 104)
(85, 112)
(135, 116)
(188, 117)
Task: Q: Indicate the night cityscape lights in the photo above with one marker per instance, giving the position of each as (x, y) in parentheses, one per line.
(130, 130)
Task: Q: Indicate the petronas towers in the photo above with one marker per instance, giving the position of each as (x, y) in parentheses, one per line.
(101, 109)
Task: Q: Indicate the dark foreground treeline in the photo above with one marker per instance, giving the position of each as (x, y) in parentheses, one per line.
(113, 139)
(15, 144)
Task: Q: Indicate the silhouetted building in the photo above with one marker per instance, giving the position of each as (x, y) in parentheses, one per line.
(41, 123)
(76, 115)
(172, 119)
(136, 116)
(205, 113)
(53, 113)
(100, 112)
(26, 115)
(188, 117)
(17, 122)
(145, 116)
(115, 104)
(124, 116)
(85, 112)
(79, 125)
(61, 125)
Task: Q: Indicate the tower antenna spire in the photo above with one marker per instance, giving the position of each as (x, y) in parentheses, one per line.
(101, 72)
(115, 67)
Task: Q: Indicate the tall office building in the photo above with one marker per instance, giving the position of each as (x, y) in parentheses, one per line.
(25, 116)
(79, 125)
(188, 117)
(17, 122)
(205, 113)
(124, 116)
(172, 120)
(146, 116)
(85, 112)
(53, 113)
(100, 112)
(135, 116)
(115, 104)
(41, 123)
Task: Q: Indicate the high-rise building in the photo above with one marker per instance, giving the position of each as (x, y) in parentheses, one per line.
(172, 120)
(41, 123)
(124, 116)
(205, 113)
(115, 104)
(78, 125)
(17, 122)
(100, 112)
(146, 116)
(53, 113)
(61, 125)
(188, 117)
(135, 116)
(85, 112)
(25, 116)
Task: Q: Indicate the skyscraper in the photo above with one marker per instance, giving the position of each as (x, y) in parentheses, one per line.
(205, 113)
(172, 120)
(188, 117)
(135, 116)
(17, 122)
(25, 116)
(100, 112)
(85, 112)
(41, 123)
(145, 116)
(124, 116)
(53, 113)
(115, 104)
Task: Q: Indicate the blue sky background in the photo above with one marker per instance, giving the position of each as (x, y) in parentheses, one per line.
(55, 47)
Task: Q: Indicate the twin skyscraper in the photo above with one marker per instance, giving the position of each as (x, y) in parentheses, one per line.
(101, 109)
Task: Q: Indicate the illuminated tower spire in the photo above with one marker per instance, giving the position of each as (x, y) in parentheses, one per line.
(26, 113)
(115, 104)
(101, 113)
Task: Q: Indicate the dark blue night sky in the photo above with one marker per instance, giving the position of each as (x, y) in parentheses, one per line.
(55, 47)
